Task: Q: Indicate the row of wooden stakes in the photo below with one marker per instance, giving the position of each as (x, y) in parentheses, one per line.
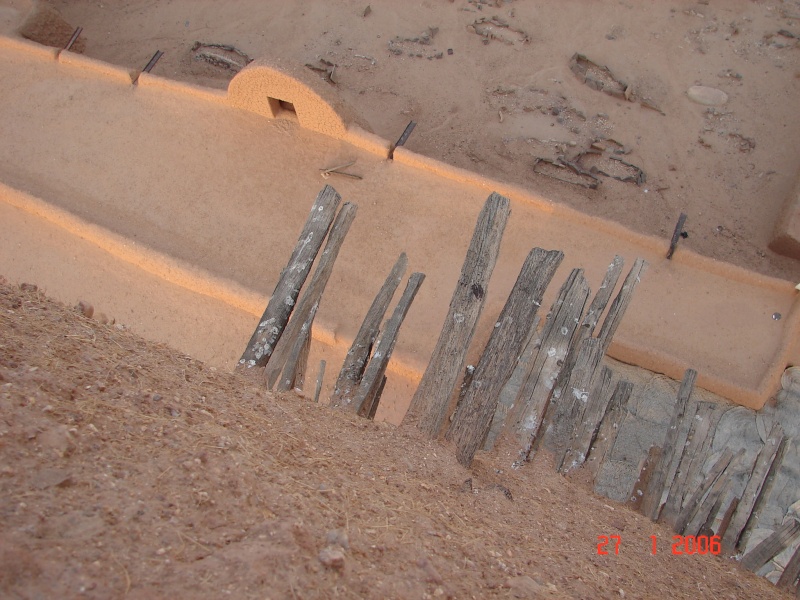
(538, 382)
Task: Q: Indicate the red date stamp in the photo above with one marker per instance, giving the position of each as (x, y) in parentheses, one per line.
(681, 544)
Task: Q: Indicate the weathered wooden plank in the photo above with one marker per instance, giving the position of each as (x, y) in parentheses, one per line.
(303, 317)
(585, 429)
(660, 481)
(707, 513)
(428, 407)
(791, 572)
(373, 401)
(567, 410)
(621, 303)
(752, 489)
(473, 417)
(726, 518)
(698, 517)
(609, 426)
(508, 395)
(781, 539)
(376, 368)
(646, 465)
(590, 319)
(358, 355)
(272, 323)
(696, 448)
(713, 477)
(534, 394)
(295, 363)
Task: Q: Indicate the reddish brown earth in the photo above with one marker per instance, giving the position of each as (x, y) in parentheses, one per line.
(130, 470)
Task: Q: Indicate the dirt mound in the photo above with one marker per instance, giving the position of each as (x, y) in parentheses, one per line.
(127, 469)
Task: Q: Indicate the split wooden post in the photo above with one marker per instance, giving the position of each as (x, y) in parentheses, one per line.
(534, 395)
(764, 494)
(297, 359)
(473, 417)
(376, 368)
(662, 479)
(568, 409)
(358, 355)
(303, 318)
(707, 516)
(753, 488)
(585, 428)
(791, 572)
(698, 442)
(621, 303)
(429, 405)
(508, 395)
(712, 485)
(781, 539)
(646, 466)
(272, 323)
(726, 517)
(609, 426)
(561, 391)
(592, 317)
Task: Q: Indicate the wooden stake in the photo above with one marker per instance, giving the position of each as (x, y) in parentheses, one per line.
(711, 481)
(585, 429)
(781, 539)
(593, 314)
(696, 448)
(429, 405)
(508, 395)
(676, 235)
(791, 572)
(753, 489)
(307, 307)
(621, 303)
(473, 417)
(272, 323)
(358, 355)
(533, 398)
(661, 477)
(376, 368)
(646, 466)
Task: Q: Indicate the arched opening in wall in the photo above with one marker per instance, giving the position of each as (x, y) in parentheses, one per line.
(282, 108)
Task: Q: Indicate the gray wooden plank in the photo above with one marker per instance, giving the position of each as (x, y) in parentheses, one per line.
(688, 475)
(429, 405)
(508, 395)
(591, 318)
(290, 346)
(272, 323)
(376, 368)
(651, 505)
(567, 410)
(791, 572)
(585, 429)
(712, 479)
(752, 489)
(534, 394)
(609, 426)
(621, 302)
(473, 416)
(360, 350)
(781, 539)
(646, 465)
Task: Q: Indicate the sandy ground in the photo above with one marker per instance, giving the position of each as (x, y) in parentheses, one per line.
(139, 472)
(493, 107)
